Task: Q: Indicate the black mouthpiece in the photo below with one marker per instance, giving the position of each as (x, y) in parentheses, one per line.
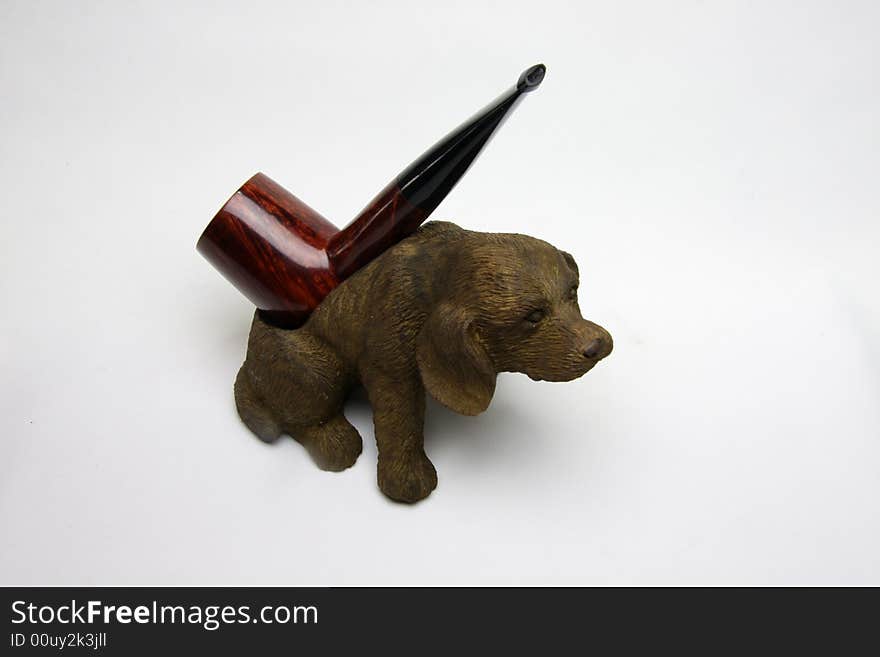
(531, 78)
(408, 200)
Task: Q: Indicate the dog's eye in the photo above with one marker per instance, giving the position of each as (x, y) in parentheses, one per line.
(573, 293)
(535, 316)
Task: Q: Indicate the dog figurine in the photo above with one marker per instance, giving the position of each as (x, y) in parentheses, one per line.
(443, 311)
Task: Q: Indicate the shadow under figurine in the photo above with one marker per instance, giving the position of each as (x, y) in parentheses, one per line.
(443, 311)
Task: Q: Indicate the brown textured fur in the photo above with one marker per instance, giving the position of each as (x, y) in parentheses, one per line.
(443, 311)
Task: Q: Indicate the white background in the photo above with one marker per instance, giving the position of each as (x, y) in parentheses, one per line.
(713, 166)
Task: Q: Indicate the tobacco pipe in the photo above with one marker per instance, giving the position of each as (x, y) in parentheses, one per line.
(286, 258)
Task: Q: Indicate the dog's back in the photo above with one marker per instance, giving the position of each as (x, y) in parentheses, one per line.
(391, 294)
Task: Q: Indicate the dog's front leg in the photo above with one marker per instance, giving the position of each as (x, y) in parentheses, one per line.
(405, 473)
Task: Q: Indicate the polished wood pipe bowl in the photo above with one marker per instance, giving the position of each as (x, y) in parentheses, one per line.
(285, 257)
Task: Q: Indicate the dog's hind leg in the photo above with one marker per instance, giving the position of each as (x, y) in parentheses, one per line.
(253, 412)
(334, 445)
(294, 382)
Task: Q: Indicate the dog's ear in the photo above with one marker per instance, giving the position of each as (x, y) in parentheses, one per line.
(453, 364)
(569, 260)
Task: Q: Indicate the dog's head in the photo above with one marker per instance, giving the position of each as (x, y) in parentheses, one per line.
(510, 305)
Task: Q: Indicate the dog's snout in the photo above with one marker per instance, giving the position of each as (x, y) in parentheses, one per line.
(594, 349)
(598, 345)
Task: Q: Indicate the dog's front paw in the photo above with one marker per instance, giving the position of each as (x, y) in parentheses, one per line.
(407, 477)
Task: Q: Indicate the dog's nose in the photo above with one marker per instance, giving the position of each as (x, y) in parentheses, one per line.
(594, 349)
